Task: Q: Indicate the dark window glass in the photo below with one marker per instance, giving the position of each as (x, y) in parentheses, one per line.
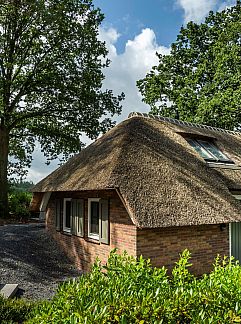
(208, 151)
(211, 148)
(94, 221)
(67, 213)
(200, 150)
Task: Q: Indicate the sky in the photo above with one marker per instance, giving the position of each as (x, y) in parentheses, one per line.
(134, 30)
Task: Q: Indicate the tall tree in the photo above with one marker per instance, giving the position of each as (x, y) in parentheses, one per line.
(200, 80)
(51, 76)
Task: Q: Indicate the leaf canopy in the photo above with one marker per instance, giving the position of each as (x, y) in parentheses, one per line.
(51, 74)
(200, 80)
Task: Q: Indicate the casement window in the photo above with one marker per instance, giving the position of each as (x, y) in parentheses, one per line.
(98, 219)
(208, 150)
(93, 218)
(77, 217)
(58, 213)
(69, 216)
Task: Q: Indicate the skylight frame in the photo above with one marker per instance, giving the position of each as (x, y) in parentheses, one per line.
(205, 150)
(224, 158)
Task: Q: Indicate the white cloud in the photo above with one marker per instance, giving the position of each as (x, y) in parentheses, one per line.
(131, 65)
(110, 37)
(226, 4)
(39, 169)
(36, 174)
(197, 10)
(125, 69)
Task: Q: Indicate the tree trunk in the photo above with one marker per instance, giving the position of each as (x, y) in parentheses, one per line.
(4, 149)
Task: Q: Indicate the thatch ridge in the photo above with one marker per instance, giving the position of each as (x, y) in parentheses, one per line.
(182, 123)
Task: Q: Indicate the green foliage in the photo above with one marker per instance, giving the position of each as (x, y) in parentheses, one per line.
(51, 75)
(52, 60)
(126, 290)
(19, 202)
(14, 310)
(200, 80)
(24, 186)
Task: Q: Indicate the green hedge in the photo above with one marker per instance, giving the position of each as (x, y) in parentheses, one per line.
(131, 291)
(14, 310)
(19, 202)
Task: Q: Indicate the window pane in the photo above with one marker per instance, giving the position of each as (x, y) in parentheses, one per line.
(200, 150)
(94, 221)
(214, 150)
(57, 213)
(67, 213)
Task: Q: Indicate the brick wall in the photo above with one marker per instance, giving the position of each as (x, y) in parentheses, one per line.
(163, 245)
(83, 251)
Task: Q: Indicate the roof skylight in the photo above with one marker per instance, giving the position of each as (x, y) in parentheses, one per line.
(208, 151)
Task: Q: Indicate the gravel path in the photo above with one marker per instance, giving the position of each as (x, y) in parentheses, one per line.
(30, 258)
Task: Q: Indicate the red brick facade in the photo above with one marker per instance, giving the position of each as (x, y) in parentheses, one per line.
(83, 251)
(162, 245)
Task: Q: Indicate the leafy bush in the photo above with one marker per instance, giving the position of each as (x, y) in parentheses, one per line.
(14, 310)
(19, 202)
(131, 291)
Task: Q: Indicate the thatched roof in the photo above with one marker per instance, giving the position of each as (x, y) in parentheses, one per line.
(162, 180)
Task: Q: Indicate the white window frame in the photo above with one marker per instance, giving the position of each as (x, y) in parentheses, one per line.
(238, 197)
(66, 229)
(211, 156)
(92, 235)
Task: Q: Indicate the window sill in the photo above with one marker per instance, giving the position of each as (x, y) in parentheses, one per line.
(92, 240)
(94, 236)
(66, 233)
(78, 235)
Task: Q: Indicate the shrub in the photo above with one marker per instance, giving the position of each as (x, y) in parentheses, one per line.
(126, 290)
(19, 204)
(14, 310)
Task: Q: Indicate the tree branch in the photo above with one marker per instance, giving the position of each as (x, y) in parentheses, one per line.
(25, 85)
(39, 113)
